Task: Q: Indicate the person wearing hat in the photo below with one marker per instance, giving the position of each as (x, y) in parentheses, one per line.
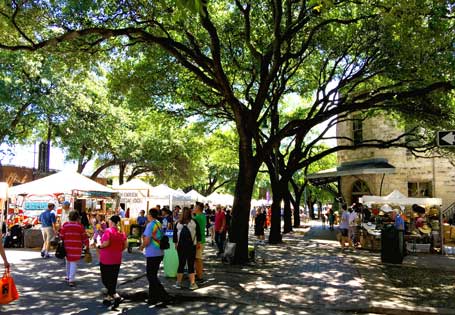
(65, 211)
(113, 243)
(48, 228)
(420, 221)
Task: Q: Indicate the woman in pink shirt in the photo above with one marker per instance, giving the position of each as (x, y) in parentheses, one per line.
(113, 243)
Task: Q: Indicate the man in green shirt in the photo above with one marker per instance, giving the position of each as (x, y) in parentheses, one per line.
(200, 218)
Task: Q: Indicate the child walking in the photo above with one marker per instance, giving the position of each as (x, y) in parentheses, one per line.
(73, 235)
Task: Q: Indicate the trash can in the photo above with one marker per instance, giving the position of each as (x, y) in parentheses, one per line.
(171, 258)
(391, 245)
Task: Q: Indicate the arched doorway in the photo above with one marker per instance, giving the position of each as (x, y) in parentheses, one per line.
(359, 188)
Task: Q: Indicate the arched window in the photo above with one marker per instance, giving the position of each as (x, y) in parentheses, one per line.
(359, 188)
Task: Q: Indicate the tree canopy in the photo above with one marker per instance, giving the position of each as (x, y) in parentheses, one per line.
(237, 60)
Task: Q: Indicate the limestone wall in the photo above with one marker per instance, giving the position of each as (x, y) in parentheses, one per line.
(408, 168)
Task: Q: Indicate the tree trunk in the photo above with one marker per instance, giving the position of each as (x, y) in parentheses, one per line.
(296, 205)
(298, 191)
(102, 168)
(121, 173)
(275, 236)
(80, 164)
(83, 160)
(248, 169)
(287, 214)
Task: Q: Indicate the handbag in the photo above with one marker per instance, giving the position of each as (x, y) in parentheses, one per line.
(164, 242)
(8, 291)
(60, 251)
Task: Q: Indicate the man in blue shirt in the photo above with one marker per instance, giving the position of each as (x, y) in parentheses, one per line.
(399, 222)
(399, 226)
(142, 219)
(48, 228)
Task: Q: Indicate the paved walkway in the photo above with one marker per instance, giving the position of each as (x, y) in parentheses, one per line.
(308, 274)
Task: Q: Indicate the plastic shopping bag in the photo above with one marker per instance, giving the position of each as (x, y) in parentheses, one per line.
(8, 291)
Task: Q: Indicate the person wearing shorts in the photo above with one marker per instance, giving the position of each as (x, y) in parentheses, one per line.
(344, 228)
(201, 219)
(48, 228)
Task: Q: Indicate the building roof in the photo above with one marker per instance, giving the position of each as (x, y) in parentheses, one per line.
(361, 167)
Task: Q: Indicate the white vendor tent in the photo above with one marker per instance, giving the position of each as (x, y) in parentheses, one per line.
(164, 195)
(180, 198)
(134, 195)
(134, 184)
(221, 199)
(397, 198)
(259, 203)
(195, 196)
(34, 196)
(60, 183)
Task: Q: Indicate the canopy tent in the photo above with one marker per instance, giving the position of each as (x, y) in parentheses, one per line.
(260, 202)
(222, 199)
(164, 195)
(397, 198)
(162, 191)
(134, 184)
(35, 195)
(64, 182)
(195, 196)
(181, 198)
(133, 195)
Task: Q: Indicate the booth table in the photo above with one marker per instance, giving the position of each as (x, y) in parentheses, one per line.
(370, 237)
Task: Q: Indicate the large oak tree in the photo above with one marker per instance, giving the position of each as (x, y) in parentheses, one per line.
(239, 58)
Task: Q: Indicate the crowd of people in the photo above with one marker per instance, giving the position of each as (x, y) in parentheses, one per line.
(190, 226)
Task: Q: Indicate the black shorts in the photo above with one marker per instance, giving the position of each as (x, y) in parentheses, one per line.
(344, 232)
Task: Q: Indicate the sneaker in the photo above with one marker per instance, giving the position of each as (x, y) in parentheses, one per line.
(193, 286)
(117, 300)
(43, 253)
(153, 301)
(178, 285)
(47, 256)
(107, 301)
(200, 280)
(72, 284)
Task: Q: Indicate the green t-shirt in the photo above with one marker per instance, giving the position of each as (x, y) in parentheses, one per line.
(202, 222)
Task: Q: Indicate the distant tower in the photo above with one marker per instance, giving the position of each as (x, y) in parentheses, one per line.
(43, 158)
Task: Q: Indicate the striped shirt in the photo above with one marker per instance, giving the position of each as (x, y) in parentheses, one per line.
(74, 236)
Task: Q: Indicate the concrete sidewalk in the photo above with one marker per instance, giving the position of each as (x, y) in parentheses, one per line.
(307, 274)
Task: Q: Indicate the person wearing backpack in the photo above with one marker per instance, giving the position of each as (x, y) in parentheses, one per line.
(154, 254)
(187, 237)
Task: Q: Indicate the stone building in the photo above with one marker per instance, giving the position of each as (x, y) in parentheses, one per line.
(372, 171)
